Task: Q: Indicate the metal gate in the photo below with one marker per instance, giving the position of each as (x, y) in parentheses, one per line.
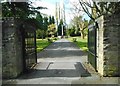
(92, 36)
(29, 47)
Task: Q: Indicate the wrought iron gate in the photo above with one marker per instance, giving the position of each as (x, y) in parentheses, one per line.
(92, 36)
(29, 47)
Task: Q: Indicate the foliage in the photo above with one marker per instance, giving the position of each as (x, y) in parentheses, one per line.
(39, 18)
(21, 10)
(50, 40)
(73, 31)
(95, 9)
(45, 23)
(50, 20)
(40, 34)
(53, 20)
(51, 27)
(15, 9)
(60, 27)
(47, 26)
(74, 40)
(80, 24)
(41, 30)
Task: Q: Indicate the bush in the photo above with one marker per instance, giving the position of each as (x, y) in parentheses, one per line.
(54, 38)
(74, 39)
(40, 34)
(50, 40)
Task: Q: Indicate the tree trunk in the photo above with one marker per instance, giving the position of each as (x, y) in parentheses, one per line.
(42, 35)
(82, 34)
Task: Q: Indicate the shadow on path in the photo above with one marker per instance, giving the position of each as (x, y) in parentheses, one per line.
(51, 70)
(61, 62)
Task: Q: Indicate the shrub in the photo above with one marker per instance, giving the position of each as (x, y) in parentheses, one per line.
(74, 39)
(55, 39)
(50, 40)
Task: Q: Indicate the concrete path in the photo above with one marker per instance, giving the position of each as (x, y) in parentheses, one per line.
(59, 63)
(62, 63)
(62, 51)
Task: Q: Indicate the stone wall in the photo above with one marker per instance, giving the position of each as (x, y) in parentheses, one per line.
(110, 40)
(18, 47)
(111, 33)
(0, 52)
(119, 51)
(100, 45)
(12, 64)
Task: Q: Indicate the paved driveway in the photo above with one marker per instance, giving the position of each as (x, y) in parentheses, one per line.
(62, 51)
(59, 63)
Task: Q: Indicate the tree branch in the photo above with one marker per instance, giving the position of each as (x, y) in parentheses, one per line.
(86, 11)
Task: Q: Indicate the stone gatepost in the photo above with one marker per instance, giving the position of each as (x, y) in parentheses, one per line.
(108, 45)
(12, 57)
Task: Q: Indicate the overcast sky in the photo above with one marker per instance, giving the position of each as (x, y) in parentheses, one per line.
(50, 4)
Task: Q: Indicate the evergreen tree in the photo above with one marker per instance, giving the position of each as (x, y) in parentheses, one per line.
(60, 28)
(45, 23)
(39, 18)
(53, 20)
(50, 20)
(22, 10)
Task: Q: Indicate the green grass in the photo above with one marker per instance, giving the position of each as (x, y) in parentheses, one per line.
(41, 44)
(81, 43)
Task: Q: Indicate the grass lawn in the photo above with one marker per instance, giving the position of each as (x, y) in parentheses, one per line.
(81, 43)
(41, 44)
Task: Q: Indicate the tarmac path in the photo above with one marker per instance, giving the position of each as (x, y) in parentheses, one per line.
(59, 63)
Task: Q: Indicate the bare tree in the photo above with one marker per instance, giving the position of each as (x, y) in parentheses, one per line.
(99, 8)
(95, 9)
(80, 23)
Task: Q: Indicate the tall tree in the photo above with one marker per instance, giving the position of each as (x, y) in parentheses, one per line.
(15, 9)
(45, 23)
(39, 18)
(80, 23)
(60, 28)
(95, 9)
(19, 9)
(52, 26)
(53, 20)
(98, 8)
(22, 10)
(51, 30)
(50, 20)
